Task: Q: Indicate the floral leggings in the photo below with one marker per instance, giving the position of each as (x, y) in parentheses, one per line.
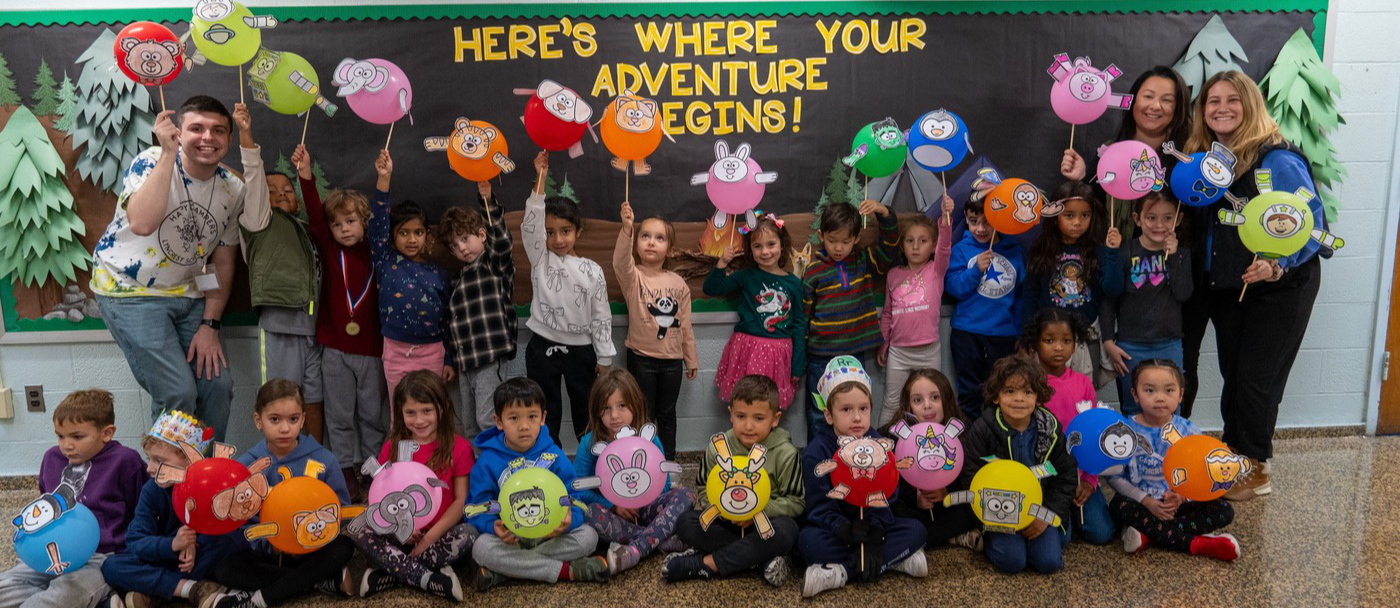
(1192, 519)
(660, 521)
(387, 554)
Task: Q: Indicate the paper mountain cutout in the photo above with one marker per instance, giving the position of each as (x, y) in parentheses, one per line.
(1211, 52)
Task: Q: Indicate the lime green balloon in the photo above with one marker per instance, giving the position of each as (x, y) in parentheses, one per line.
(1276, 224)
(885, 148)
(285, 81)
(533, 502)
(229, 40)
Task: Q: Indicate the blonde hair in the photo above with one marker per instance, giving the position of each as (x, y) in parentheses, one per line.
(1257, 129)
(341, 201)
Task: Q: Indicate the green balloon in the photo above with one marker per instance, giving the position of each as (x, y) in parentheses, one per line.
(229, 40)
(885, 148)
(533, 502)
(286, 82)
(1276, 224)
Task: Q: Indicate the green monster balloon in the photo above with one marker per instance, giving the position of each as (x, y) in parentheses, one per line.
(533, 501)
(287, 83)
(226, 32)
(878, 149)
(1277, 224)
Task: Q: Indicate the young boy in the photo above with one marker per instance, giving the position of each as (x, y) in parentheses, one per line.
(163, 557)
(284, 275)
(564, 554)
(724, 549)
(347, 328)
(100, 473)
(984, 280)
(482, 328)
(1021, 429)
(838, 542)
(839, 295)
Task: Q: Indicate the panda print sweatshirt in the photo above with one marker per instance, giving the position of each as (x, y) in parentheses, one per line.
(658, 307)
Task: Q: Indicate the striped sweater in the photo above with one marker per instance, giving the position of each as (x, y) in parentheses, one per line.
(839, 297)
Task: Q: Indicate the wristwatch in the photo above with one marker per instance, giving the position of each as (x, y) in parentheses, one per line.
(213, 324)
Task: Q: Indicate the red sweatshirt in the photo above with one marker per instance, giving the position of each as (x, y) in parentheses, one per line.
(358, 272)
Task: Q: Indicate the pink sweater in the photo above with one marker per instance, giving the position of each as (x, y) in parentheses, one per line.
(912, 298)
(1071, 388)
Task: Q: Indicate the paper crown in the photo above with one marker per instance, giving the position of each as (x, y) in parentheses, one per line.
(175, 426)
(839, 371)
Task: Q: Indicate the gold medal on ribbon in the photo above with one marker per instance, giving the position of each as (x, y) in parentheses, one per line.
(352, 328)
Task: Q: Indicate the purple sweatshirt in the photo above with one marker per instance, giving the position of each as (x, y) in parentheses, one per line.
(113, 484)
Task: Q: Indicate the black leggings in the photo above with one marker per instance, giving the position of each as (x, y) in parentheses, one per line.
(285, 577)
(660, 381)
(547, 363)
(1192, 519)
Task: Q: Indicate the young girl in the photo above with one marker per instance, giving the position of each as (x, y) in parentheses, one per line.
(423, 413)
(1020, 429)
(1146, 507)
(569, 313)
(1145, 321)
(659, 337)
(1050, 337)
(263, 577)
(927, 396)
(616, 402)
(913, 296)
(1073, 266)
(771, 335)
(413, 292)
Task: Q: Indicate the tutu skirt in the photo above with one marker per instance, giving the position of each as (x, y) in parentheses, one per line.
(746, 354)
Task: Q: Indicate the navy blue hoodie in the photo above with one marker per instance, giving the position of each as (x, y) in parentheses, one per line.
(830, 513)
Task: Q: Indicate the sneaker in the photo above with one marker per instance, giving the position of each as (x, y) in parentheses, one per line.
(336, 586)
(622, 557)
(1133, 540)
(115, 600)
(589, 569)
(823, 577)
(234, 599)
(1224, 547)
(445, 583)
(204, 593)
(776, 572)
(679, 566)
(972, 539)
(1255, 485)
(136, 600)
(374, 581)
(484, 579)
(672, 544)
(915, 565)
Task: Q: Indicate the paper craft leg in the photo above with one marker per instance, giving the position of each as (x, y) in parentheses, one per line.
(541, 563)
(734, 553)
(79, 588)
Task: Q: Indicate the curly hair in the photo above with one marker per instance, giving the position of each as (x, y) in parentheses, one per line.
(1029, 339)
(1015, 366)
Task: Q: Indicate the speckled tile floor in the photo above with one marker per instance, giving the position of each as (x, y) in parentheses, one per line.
(1328, 536)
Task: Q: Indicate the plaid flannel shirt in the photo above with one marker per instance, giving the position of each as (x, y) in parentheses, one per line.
(483, 326)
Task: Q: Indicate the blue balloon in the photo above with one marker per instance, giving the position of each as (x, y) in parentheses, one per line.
(1100, 438)
(939, 140)
(1202, 178)
(60, 541)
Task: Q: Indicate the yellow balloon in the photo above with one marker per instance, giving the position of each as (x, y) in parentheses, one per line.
(740, 494)
(1005, 491)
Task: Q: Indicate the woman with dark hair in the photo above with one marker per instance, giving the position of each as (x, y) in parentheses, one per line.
(1257, 335)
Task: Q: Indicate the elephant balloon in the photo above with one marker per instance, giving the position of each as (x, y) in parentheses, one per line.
(394, 514)
(376, 89)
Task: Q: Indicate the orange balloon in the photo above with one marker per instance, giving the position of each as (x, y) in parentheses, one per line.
(476, 150)
(1013, 206)
(1201, 468)
(299, 515)
(631, 127)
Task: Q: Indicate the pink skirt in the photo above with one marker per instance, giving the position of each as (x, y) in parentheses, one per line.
(746, 354)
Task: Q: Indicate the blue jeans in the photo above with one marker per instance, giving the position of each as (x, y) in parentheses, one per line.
(1011, 552)
(816, 366)
(1096, 526)
(154, 334)
(1142, 351)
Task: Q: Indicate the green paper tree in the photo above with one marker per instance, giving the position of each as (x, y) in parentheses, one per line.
(551, 189)
(285, 167)
(323, 185)
(1212, 51)
(67, 104)
(567, 191)
(1301, 95)
(8, 96)
(113, 121)
(45, 93)
(39, 228)
(837, 190)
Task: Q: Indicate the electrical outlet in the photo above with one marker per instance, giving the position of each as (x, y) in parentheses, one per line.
(34, 397)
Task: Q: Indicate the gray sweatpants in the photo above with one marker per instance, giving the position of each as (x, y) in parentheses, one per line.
(357, 405)
(21, 586)
(477, 411)
(540, 563)
(899, 361)
(295, 358)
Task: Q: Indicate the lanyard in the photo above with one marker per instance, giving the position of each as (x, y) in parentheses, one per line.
(345, 277)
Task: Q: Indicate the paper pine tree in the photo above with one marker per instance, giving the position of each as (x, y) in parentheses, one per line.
(323, 185)
(39, 227)
(835, 191)
(285, 167)
(1212, 51)
(67, 104)
(1301, 95)
(551, 189)
(45, 93)
(8, 96)
(567, 191)
(113, 119)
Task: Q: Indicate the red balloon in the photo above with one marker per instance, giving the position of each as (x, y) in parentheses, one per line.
(149, 53)
(556, 117)
(194, 497)
(865, 466)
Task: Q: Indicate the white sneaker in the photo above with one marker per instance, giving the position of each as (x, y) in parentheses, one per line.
(776, 572)
(915, 565)
(972, 539)
(1133, 540)
(823, 577)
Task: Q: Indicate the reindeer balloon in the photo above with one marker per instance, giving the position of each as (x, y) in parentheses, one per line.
(738, 487)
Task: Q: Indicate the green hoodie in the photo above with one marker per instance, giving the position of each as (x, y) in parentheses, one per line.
(783, 463)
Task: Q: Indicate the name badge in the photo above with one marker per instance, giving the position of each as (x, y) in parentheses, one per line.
(207, 282)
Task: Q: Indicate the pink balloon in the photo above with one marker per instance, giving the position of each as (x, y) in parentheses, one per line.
(734, 183)
(1082, 92)
(1072, 109)
(630, 470)
(935, 450)
(376, 89)
(407, 478)
(1129, 169)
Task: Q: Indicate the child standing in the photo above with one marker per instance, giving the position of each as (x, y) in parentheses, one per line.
(927, 396)
(1050, 337)
(482, 314)
(412, 291)
(913, 302)
(262, 576)
(1145, 321)
(564, 554)
(348, 326)
(770, 338)
(90, 467)
(984, 279)
(163, 557)
(423, 413)
(659, 337)
(838, 292)
(724, 549)
(1021, 429)
(616, 402)
(1146, 507)
(840, 540)
(569, 312)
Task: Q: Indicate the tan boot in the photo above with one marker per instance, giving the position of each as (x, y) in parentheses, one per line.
(1256, 484)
